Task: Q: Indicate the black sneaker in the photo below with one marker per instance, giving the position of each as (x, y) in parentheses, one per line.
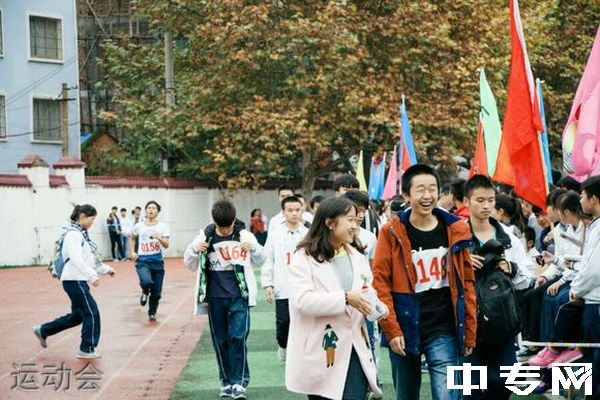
(152, 318)
(143, 299)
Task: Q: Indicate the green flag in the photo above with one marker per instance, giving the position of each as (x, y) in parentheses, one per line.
(492, 131)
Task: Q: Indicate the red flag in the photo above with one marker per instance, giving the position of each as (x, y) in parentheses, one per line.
(405, 157)
(479, 165)
(522, 121)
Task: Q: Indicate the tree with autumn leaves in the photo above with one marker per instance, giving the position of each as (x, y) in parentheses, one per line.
(269, 89)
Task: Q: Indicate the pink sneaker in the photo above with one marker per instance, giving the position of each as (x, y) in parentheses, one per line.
(568, 356)
(544, 358)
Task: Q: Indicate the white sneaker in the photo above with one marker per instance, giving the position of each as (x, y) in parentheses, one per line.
(238, 392)
(37, 331)
(92, 355)
(226, 391)
(281, 353)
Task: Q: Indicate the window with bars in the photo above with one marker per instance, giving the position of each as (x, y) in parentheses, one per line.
(2, 117)
(46, 120)
(45, 38)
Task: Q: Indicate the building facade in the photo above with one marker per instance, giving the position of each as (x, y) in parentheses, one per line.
(38, 54)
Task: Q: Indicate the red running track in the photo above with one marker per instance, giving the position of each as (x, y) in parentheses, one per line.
(140, 359)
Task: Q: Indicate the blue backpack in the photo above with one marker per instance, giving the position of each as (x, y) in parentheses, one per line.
(58, 263)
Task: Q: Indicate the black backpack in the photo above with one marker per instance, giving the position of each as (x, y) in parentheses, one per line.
(498, 311)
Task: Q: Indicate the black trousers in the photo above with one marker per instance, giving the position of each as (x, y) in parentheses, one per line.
(531, 300)
(115, 239)
(282, 322)
(356, 384)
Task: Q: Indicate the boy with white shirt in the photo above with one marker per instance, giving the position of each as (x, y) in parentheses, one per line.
(586, 284)
(223, 254)
(282, 192)
(126, 228)
(280, 247)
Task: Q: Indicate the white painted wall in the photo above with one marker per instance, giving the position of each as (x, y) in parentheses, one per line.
(31, 218)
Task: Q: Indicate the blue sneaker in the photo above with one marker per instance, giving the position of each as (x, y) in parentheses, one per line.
(226, 391)
(239, 392)
(541, 388)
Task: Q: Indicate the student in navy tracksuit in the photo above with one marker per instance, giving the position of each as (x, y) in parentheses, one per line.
(81, 267)
(152, 236)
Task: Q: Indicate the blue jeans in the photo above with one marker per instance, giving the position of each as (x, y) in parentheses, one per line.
(550, 307)
(493, 357)
(83, 310)
(229, 321)
(125, 245)
(151, 276)
(440, 352)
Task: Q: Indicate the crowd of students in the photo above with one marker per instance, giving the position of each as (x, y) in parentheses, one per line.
(419, 275)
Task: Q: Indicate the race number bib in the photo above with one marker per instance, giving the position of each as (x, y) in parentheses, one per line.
(150, 247)
(431, 266)
(227, 254)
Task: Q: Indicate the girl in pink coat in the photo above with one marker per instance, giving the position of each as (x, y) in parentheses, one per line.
(329, 355)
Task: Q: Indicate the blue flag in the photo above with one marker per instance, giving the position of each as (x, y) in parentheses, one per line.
(410, 146)
(545, 149)
(377, 179)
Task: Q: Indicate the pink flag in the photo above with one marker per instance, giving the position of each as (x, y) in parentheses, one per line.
(391, 185)
(581, 137)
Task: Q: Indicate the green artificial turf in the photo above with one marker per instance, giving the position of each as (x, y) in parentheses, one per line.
(200, 378)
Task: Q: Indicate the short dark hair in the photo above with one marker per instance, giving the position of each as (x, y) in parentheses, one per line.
(358, 197)
(529, 234)
(223, 213)
(478, 182)
(347, 181)
(457, 188)
(152, 202)
(286, 186)
(569, 183)
(316, 199)
(553, 196)
(290, 199)
(504, 188)
(536, 210)
(591, 186)
(417, 169)
(114, 208)
(446, 188)
(138, 208)
(123, 209)
(397, 204)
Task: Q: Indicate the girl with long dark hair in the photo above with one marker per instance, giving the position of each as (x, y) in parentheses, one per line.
(329, 355)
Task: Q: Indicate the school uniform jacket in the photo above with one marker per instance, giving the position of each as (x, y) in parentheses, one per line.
(395, 277)
(82, 265)
(279, 249)
(192, 260)
(317, 301)
(587, 282)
